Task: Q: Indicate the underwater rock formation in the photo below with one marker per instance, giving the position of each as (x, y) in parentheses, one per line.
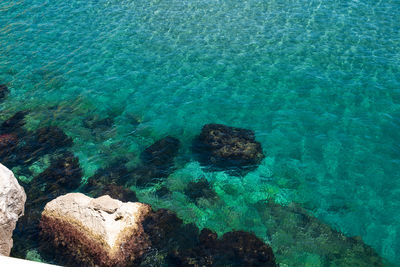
(235, 248)
(14, 124)
(161, 153)
(227, 148)
(43, 141)
(157, 161)
(110, 181)
(200, 189)
(21, 147)
(96, 232)
(114, 173)
(52, 137)
(12, 202)
(4, 91)
(8, 145)
(94, 122)
(62, 176)
(186, 247)
(163, 191)
(296, 236)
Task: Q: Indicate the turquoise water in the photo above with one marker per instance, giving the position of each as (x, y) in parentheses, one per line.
(318, 82)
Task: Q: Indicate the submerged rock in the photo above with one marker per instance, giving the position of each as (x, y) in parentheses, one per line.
(4, 91)
(14, 124)
(52, 137)
(237, 248)
(157, 161)
(101, 231)
(296, 236)
(114, 173)
(12, 202)
(94, 122)
(227, 148)
(163, 191)
(8, 146)
(161, 153)
(200, 189)
(62, 176)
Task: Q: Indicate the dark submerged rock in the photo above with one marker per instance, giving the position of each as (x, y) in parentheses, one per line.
(293, 233)
(228, 148)
(163, 191)
(200, 189)
(52, 137)
(110, 181)
(237, 248)
(186, 247)
(8, 146)
(161, 153)
(14, 124)
(157, 161)
(94, 122)
(46, 140)
(115, 173)
(162, 226)
(4, 91)
(63, 176)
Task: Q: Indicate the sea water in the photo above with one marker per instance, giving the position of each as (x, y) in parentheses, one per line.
(317, 81)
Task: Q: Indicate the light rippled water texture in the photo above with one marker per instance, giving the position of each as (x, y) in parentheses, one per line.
(317, 81)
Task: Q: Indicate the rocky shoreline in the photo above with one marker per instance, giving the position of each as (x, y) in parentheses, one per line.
(108, 226)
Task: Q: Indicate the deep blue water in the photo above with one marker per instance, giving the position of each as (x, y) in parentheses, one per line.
(317, 81)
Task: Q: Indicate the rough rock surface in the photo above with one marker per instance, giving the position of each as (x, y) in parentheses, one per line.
(101, 231)
(12, 202)
(228, 148)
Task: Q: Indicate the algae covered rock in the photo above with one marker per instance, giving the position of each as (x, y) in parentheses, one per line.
(101, 231)
(157, 161)
(12, 202)
(200, 189)
(300, 239)
(236, 248)
(228, 148)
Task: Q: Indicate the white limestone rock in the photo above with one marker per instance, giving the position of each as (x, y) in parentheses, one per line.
(12, 204)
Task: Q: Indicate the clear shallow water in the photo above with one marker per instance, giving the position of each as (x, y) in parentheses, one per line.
(318, 82)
